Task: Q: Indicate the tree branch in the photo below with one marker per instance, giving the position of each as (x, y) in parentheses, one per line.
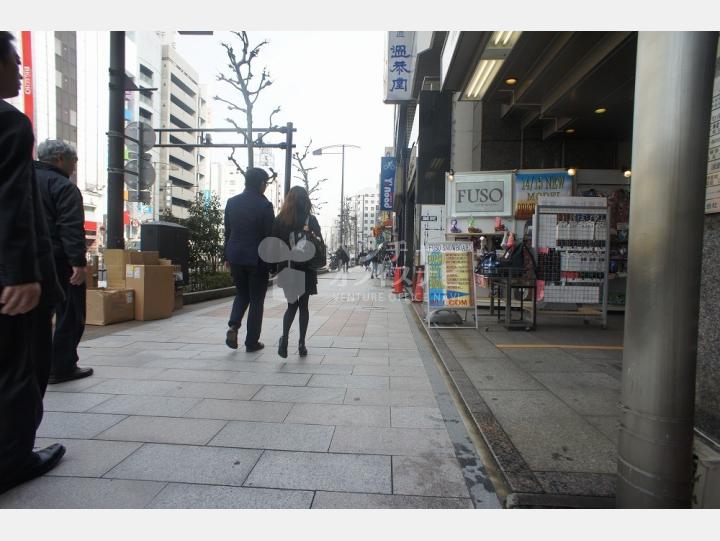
(231, 105)
(232, 159)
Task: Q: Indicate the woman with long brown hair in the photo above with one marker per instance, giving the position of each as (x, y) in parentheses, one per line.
(294, 222)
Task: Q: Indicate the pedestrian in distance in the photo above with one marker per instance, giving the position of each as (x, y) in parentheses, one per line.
(249, 219)
(344, 258)
(294, 222)
(28, 289)
(63, 205)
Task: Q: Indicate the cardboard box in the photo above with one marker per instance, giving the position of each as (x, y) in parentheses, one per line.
(106, 306)
(116, 261)
(154, 287)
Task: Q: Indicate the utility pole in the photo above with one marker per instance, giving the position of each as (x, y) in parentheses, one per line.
(116, 143)
(288, 156)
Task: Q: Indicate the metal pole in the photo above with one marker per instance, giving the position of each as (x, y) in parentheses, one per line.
(116, 143)
(288, 156)
(673, 88)
(342, 195)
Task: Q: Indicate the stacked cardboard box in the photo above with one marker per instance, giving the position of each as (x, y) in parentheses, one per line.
(154, 287)
(106, 306)
(116, 260)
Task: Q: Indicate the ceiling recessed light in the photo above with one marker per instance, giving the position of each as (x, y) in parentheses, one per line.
(572, 171)
(600, 110)
(511, 81)
(570, 130)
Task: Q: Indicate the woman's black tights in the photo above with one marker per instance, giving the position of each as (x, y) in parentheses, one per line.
(289, 317)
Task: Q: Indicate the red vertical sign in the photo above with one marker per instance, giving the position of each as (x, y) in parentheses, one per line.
(27, 73)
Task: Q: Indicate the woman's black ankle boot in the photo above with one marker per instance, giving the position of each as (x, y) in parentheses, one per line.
(282, 347)
(302, 349)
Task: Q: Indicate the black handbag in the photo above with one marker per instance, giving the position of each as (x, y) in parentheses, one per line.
(319, 258)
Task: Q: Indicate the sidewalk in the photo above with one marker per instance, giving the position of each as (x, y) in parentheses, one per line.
(172, 418)
(546, 403)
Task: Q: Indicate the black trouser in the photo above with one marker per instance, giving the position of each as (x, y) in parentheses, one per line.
(302, 304)
(251, 283)
(69, 322)
(21, 379)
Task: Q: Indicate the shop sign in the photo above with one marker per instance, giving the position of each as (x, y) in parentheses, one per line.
(449, 273)
(481, 194)
(27, 73)
(712, 190)
(529, 185)
(399, 66)
(387, 182)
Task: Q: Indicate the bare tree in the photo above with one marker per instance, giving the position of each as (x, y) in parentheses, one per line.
(241, 80)
(312, 186)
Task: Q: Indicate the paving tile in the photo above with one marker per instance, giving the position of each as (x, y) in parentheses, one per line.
(608, 425)
(88, 458)
(185, 496)
(351, 382)
(76, 385)
(400, 397)
(336, 352)
(126, 372)
(312, 395)
(428, 476)
(75, 425)
(500, 374)
(113, 352)
(338, 369)
(339, 414)
(188, 464)
(240, 410)
(107, 360)
(164, 430)
(80, 493)
(229, 391)
(588, 393)
(345, 500)
(374, 359)
(288, 379)
(205, 376)
(155, 346)
(549, 434)
(547, 360)
(410, 383)
(413, 417)
(72, 402)
(322, 471)
(389, 370)
(391, 441)
(135, 387)
(160, 406)
(278, 436)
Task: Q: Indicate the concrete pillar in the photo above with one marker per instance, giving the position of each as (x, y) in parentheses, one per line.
(673, 89)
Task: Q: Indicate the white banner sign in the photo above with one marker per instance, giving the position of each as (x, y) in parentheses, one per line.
(399, 66)
(480, 194)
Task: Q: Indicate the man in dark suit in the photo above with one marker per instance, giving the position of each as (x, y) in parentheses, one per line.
(249, 219)
(63, 205)
(28, 288)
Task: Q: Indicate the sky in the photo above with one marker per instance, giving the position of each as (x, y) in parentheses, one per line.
(328, 84)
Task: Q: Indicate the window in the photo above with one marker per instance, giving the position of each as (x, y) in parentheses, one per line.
(58, 79)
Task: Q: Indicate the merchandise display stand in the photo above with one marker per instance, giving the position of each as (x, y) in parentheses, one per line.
(572, 242)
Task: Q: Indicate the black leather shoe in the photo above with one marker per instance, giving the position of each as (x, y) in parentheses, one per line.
(77, 373)
(231, 338)
(302, 350)
(282, 347)
(256, 347)
(40, 463)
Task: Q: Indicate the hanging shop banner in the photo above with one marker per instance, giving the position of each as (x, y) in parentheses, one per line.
(712, 193)
(399, 66)
(27, 73)
(480, 194)
(529, 185)
(450, 281)
(387, 182)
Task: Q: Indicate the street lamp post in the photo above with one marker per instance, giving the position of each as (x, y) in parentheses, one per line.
(321, 151)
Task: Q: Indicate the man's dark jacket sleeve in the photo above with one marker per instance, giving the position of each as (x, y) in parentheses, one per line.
(70, 223)
(18, 248)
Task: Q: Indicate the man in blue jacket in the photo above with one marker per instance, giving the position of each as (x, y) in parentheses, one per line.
(249, 219)
(65, 215)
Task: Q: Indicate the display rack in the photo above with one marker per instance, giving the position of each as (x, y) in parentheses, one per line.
(572, 242)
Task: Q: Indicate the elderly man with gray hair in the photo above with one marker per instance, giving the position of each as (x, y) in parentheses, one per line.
(65, 214)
